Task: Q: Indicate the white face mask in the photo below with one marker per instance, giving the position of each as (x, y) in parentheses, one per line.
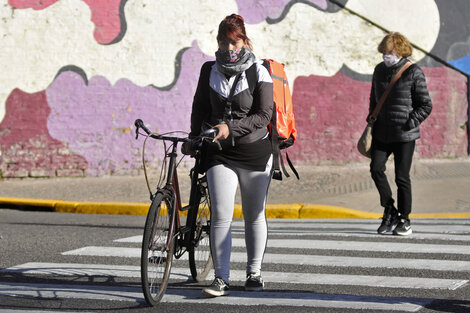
(390, 59)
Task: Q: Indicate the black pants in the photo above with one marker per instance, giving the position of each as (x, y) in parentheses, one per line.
(403, 155)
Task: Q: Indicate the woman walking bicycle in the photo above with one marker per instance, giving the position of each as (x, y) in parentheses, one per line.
(223, 100)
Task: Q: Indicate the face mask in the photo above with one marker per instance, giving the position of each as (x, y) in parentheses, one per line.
(231, 56)
(390, 59)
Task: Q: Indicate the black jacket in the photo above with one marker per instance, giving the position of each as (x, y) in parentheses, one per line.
(250, 113)
(406, 107)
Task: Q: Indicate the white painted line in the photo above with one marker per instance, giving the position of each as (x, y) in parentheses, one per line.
(315, 260)
(333, 233)
(414, 221)
(240, 276)
(52, 291)
(108, 252)
(75, 269)
(363, 234)
(193, 296)
(370, 246)
(343, 302)
(450, 229)
(348, 245)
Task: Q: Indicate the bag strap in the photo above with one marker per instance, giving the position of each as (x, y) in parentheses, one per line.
(228, 106)
(375, 113)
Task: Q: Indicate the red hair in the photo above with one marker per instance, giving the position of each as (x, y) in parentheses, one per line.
(232, 28)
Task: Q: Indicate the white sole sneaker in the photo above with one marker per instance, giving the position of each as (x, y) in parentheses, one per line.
(403, 233)
(214, 293)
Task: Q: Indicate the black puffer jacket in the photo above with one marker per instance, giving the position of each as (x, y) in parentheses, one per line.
(406, 107)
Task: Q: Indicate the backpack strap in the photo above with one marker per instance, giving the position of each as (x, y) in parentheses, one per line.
(206, 75)
(252, 78)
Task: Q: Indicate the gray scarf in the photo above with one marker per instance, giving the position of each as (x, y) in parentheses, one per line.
(241, 65)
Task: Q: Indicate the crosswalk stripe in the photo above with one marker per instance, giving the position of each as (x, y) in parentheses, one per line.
(315, 260)
(463, 229)
(68, 269)
(418, 226)
(332, 233)
(193, 296)
(370, 246)
(339, 221)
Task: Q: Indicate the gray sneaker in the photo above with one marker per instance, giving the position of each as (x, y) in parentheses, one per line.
(218, 288)
(403, 228)
(254, 282)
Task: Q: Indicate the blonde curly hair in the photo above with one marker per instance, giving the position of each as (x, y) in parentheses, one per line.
(396, 43)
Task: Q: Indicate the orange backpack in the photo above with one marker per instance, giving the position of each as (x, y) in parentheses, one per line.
(282, 127)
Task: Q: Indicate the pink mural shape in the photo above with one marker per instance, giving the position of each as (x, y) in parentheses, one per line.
(96, 119)
(105, 14)
(330, 115)
(26, 146)
(443, 133)
(31, 4)
(255, 12)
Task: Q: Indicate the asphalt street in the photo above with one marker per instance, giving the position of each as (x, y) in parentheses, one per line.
(90, 263)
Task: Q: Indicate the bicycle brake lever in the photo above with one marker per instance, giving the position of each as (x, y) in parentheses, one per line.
(137, 132)
(218, 145)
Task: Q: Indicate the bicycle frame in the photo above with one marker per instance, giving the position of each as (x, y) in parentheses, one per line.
(172, 189)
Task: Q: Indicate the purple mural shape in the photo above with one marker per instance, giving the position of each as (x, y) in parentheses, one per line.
(255, 12)
(97, 119)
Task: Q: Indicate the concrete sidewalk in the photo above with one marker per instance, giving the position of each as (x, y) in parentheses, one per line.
(441, 188)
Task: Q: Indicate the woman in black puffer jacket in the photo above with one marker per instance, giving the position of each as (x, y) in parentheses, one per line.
(396, 128)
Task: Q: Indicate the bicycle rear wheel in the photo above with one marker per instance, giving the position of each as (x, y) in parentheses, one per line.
(157, 249)
(200, 259)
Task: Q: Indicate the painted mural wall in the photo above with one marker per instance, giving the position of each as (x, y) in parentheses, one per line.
(77, 73)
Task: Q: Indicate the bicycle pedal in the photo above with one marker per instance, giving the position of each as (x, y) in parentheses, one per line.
(185, 208)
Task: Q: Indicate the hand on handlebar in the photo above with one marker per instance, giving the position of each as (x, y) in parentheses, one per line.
(187, 148)
(192, 146)
(224, 132)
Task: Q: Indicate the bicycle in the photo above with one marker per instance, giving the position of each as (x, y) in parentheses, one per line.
(165, 236)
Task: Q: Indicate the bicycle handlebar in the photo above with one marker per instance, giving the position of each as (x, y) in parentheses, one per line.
(208, 134)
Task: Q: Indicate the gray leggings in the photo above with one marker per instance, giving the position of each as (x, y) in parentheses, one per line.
(223, 181)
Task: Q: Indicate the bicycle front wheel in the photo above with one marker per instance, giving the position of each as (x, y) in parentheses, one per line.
(157, 249)
(200, 259)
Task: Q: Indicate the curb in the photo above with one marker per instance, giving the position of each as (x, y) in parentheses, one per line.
(275, 211)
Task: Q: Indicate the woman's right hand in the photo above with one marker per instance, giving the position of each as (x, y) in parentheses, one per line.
(186, 149)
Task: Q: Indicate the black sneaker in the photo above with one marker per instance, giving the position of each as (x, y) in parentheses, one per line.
(403, 228)
(218, 288)
(389, 220)
(254, 282)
